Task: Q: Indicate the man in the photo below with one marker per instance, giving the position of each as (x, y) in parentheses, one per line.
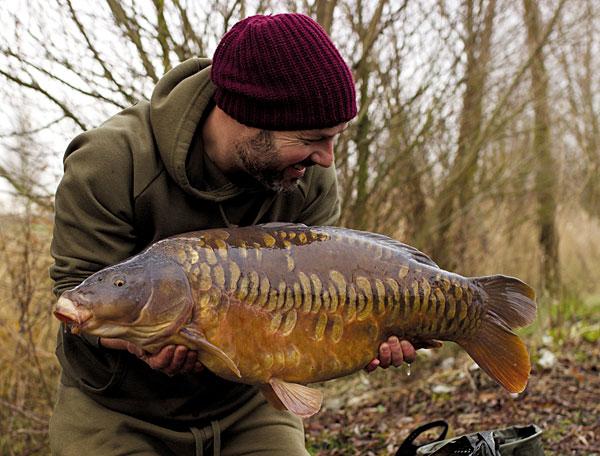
(246, 140)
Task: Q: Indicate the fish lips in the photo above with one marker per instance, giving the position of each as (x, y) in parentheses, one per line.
(71, 313)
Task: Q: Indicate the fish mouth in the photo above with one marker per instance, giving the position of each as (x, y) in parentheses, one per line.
(74, 315)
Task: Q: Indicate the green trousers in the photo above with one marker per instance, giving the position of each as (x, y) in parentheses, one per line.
(80, 426)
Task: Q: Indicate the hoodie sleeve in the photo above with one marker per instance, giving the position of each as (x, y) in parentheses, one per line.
(93, 225)
(322, 204)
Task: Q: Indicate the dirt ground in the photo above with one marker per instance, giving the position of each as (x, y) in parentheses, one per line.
(372, 414)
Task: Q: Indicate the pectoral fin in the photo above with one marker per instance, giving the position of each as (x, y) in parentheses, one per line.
(298, 399)
(199, 341)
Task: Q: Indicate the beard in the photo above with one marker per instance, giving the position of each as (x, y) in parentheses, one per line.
(260, 160)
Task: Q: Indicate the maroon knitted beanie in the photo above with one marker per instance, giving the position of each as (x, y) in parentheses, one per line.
(282, 72)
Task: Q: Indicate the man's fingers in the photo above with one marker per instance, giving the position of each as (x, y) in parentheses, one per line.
(162, 359)
(396, 350)
(190, 362)
(178, 360)
(408, 351)
(372, 365)
(385, 355)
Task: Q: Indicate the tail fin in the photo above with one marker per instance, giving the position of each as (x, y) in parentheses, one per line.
(494, 347)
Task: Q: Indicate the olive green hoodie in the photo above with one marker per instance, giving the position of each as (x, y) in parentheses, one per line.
(139, 177)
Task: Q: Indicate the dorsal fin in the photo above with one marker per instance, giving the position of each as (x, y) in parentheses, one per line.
(282, 225)
(413, 253)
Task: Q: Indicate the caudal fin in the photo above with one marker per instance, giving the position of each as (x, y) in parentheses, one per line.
(494, 347)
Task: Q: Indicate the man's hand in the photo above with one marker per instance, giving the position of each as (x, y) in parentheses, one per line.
(171, 360)
(394, 352)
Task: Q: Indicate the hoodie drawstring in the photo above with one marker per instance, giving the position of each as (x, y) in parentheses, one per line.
(202, 436)
(216, 438)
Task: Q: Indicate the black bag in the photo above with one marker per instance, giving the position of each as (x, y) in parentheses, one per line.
(512, 441)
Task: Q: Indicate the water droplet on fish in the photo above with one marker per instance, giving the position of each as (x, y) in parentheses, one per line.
(408, 370)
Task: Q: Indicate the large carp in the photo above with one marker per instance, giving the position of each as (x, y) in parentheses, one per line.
(283, 305)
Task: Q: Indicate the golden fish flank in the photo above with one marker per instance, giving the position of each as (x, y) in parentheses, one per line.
(340, 283)
(337, 328)
(333, 295)
(219, 276)
(290, 263)
(292, 356)
(394, 297)
(351, 304)
(406, 308)
(403, 272)
(463, 311)
(458, 291)
(210, 256)
(275, 322)
(289, 323)
(258, 251)
(317, 287)
(426, 292)
(191, 254)
(279, 359)
(263, 293)
(221, 248)
(416, 296)
(450, 307)
(281, 294)
(272, 301)
(306, 292)
(446, 283)
(289, 299)
(296, 317)
(253, 285)
(441, 303)
(269, 240)
(320, 326)
(326, 300)
(205, 282)
(380, 288)
(244, 289)
(243, 249)
(234, 275)
(267, 360)
(365, 295)
(297, 295)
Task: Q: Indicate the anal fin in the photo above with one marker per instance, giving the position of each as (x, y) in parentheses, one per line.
(298, 399)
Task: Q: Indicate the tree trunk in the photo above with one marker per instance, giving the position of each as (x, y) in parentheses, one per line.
(452, 221)
(546, 170)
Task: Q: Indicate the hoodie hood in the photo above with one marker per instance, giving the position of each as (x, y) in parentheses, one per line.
(177, 106)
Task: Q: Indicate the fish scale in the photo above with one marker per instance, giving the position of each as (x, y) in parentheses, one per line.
(285, 305)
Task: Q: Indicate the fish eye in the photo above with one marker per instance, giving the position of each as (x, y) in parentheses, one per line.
(119, 282)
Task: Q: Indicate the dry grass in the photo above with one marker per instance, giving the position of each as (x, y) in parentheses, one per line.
(29, 371)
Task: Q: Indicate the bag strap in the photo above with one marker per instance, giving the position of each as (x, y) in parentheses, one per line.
(408, 448)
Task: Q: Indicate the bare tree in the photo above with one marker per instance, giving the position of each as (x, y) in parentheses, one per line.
(458, 190)
(546, 169)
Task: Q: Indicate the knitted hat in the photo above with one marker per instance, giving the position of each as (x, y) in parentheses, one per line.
(282, 72)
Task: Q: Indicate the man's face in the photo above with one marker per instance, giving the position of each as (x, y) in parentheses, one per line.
(278, 159)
